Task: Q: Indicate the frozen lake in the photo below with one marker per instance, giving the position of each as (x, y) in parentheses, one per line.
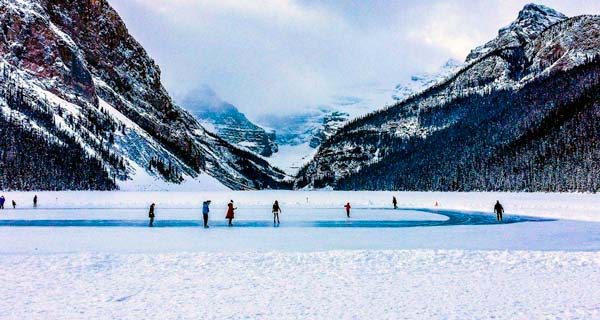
(64, 230)
(90, 255)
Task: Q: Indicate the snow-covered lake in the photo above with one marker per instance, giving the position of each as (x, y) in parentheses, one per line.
(89, 255)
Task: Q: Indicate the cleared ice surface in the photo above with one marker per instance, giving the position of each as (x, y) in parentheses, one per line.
(301, 230)
(218, 214)
(580, 206)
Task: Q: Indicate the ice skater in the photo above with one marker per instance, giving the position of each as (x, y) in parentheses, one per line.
(35, 201)
(2, 200)
(347, 206)
(230, 212)
(499, 210)
(151, 216)
(205, 211)
(276, 211)
(395, 202)
(14, 203)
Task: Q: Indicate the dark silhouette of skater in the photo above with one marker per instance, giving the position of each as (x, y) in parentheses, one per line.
(499, 210)
(276, 211)
(151, 215)
(230, 213)
(395, 202)
(14, 204)
(347, 206)
(205, 211)
(2, 200)
(35, 200)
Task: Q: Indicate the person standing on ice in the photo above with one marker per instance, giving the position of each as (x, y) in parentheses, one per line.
(499, 210)
(347, 206)
(14, 204)
(395, 202)
(230, 212)
(205, 211)
(276, 211)
(2, 200)
(35, 201)
(151, 216)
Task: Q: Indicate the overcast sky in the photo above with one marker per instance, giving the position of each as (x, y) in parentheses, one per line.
(285, 55)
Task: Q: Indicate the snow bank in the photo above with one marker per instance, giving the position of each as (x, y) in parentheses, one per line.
(415, 284)
(552, 205)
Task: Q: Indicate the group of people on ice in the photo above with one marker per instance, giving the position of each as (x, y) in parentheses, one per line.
(14, 203)
(276, 210)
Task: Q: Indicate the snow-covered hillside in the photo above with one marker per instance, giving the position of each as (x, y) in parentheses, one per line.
(516, 116)
(225, 120)
(73, 77)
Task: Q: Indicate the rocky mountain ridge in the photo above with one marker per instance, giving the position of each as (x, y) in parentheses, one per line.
(460, 134)
(73, 77)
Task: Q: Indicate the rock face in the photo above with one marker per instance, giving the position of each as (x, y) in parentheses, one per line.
(73, 77)
(521, 114)
(330, 124)
(531, 21)
(225, 120)
(312, 127)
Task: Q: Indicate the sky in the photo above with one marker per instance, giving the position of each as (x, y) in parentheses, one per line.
(288, 56)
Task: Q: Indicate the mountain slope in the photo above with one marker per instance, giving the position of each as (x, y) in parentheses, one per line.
(228, 122)
(518, 116)
(76, 66)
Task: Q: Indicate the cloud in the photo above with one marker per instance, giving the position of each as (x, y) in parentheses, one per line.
(284, 56)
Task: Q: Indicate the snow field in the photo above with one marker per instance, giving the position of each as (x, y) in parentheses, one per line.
(404, 284)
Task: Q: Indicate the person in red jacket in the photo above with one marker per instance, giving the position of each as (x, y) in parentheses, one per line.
(347, 206)
(230, 212)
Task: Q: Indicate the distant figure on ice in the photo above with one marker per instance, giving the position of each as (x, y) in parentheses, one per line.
(230, 212)
(14, 204)
(205, 211)
(395, 202)
(347, 206)
(151, 215)
(276, 211)
(2, 200)
(35, 200)
(499, 210)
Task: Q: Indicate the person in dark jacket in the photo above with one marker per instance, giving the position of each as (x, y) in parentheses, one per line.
(499, 210)
(347, 206)
(2, 200)
(35, 200)
(205, 211)
(14, 204)
(276, 211)
(395, 202)
(230, 213)
(151, 215)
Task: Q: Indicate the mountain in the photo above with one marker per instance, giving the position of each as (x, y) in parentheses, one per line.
(422, 81)
(531, 21)
(82, 107)
(225, 120)
(522, 114)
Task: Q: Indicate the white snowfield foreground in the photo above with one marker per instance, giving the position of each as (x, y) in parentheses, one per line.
(534, 268)
(406, 284)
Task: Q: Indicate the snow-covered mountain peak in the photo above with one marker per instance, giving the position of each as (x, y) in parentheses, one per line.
(530, 22)
(421, 81)
(533, 18)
